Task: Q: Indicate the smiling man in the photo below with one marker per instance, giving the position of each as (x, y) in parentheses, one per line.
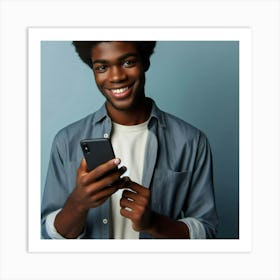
(163, 185)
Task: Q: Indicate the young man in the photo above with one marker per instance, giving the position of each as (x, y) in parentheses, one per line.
(163, 187)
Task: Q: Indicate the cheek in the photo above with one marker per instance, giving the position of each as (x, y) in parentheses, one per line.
(98, 80)
(137, 74)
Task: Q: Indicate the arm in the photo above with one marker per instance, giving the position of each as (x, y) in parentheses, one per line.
(92, 189)
(64, 190)
(164, 227)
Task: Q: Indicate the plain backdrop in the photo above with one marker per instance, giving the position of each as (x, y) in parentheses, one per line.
(197, 81)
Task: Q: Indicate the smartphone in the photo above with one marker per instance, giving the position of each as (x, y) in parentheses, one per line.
(97, 151)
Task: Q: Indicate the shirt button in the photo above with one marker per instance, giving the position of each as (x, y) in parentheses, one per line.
(106, 135)
(105, 221)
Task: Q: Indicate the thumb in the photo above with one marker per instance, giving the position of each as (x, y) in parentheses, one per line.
(83, 166)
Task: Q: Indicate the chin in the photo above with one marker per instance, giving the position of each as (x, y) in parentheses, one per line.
(122, 106)
(125, 104)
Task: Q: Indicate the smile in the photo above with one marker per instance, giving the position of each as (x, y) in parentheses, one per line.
(119, 90)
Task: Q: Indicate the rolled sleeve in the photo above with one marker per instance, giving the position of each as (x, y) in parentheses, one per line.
(196, 228)
(50, 228)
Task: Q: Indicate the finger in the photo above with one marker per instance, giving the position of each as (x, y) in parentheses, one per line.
(139, 189)
(83, 167)
(129, 194)
(108, 180)
(125, 203)
(127, 213)
(113, 178)
(127, 182)
(122, 183)
(140, 203)
(101, 170)
(103, 195)
(100, 197)
(136, 197)
(105, 168)
(98, 203)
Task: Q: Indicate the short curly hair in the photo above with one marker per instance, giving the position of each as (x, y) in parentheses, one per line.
(145, 49)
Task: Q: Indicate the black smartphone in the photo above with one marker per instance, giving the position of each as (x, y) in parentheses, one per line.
(97, 151)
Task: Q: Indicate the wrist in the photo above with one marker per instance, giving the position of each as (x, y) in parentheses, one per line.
(164, 227)
(75, 206)
(152, 227)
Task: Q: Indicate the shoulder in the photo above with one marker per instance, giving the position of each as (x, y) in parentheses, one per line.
(181, 128)
(172, 120)
(177, 129)
(171, 123)
(75, 129)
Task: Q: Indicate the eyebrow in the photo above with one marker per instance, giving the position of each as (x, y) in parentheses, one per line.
(122, 57)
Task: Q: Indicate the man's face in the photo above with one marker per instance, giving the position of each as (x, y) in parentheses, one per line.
(119, 73)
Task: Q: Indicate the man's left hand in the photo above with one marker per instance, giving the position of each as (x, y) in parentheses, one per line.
(135, 205)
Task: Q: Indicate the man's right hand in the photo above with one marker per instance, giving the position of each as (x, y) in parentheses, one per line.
(95, 187)
(92, 189)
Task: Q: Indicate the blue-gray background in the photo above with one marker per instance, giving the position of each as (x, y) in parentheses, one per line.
(196, 81)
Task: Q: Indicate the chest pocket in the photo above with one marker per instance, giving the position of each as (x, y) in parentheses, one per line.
(169, 192)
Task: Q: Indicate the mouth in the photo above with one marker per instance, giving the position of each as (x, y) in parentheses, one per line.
(121, 92)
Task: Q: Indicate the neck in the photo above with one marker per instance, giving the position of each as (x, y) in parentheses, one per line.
(133, 116)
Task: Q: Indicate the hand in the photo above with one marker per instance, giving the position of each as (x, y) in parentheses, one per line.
(135, 205)
(92, 189)
(95, 187)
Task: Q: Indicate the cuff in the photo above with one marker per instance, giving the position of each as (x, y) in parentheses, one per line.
(50, 228)
(196, 228)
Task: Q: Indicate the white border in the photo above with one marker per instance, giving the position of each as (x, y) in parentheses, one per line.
(243, 35)
(263, 17)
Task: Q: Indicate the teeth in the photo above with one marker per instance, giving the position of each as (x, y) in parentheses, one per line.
(119, 90)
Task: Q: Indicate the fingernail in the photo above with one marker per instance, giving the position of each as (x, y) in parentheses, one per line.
(117, 161)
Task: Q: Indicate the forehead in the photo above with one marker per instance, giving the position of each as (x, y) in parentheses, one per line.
(113, 50)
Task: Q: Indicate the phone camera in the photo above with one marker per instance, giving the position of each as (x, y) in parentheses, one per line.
(85, 148)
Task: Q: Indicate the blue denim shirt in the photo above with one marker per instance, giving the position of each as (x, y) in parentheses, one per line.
(177, 170)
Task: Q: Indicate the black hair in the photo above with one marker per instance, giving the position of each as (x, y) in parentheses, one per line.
(145, 49)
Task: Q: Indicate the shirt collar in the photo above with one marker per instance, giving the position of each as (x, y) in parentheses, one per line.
(156, 114)
(101, 114)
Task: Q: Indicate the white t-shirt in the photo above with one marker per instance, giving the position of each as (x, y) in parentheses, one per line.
(129, 144)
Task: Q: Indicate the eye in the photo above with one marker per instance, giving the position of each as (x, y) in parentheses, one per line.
(129, 63)
(100, 68)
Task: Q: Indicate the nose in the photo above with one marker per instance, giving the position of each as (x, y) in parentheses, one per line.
(117, 74)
